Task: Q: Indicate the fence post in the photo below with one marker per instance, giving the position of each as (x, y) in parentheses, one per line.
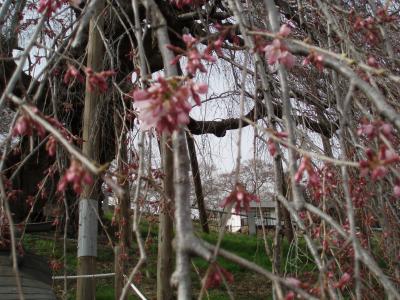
(251, 221)
(118, 279)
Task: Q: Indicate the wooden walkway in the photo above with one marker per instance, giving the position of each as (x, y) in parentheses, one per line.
(35, 278)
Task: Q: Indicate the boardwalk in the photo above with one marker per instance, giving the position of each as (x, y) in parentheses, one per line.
(35, 278)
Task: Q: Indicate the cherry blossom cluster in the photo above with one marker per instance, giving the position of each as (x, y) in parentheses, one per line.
(56, 265)
(51, 146)
(216, 275)
(372, 62)
(75, 175)
(96, 80)
(369, 27)
(277, 50)
(49, 6)
(271, 144)
(25, 125)
(304, 284)
(157, 173)
(240, 199)
(358, 191)
(193, 55)
(377, 163)
(316, 59)
(313, 178)
(165, 104)
(328, 175)
(71, 74)
(343, 281)
(225, 33)
(372, 129)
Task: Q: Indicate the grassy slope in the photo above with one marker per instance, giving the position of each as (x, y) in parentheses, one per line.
(247, 285)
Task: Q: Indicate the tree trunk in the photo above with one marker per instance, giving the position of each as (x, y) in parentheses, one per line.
(165, 230)
(125, 229)
(197, 183)
(288, 228)
(87, 240)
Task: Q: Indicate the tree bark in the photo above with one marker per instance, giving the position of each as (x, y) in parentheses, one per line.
(86, 288)
(197, 184)
(288, 229)
(165, 230)
(125, 232)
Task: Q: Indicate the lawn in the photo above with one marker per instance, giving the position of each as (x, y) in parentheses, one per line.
(246, 285)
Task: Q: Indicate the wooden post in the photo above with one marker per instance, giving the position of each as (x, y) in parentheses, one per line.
(87, 236)
(197, 183)
(118, 280)
(251, 222)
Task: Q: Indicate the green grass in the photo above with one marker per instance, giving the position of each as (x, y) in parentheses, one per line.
(248, 247)
(247, 285)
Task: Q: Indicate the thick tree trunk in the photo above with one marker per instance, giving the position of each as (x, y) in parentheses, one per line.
(184, 226)
(87, 241)
(197, 183)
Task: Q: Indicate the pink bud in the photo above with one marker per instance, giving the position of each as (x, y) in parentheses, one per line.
(387, 129)
(200, 88)
(379, 173)
(396, 191)
(293, 281)
(285, 30)
(372, 62)
(139, 95)
(188, 39)
(290, 296)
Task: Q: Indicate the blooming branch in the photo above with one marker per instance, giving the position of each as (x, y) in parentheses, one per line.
(165, 105)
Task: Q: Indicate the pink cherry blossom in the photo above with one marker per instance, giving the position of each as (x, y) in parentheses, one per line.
(49, 6)
(372, 62)
(193, 55)
(343, 281)
(71, 74)
(277, 52)
(240, 198)
(285, 30)
(272, 149)
(214, 278)
(165, 104)
(396, 190)
(51, 146)
(26, 126)
(98, 80)
(75, 175)
(316, 59)
(290, 295)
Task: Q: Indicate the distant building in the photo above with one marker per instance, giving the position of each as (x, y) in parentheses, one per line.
(253, 220)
